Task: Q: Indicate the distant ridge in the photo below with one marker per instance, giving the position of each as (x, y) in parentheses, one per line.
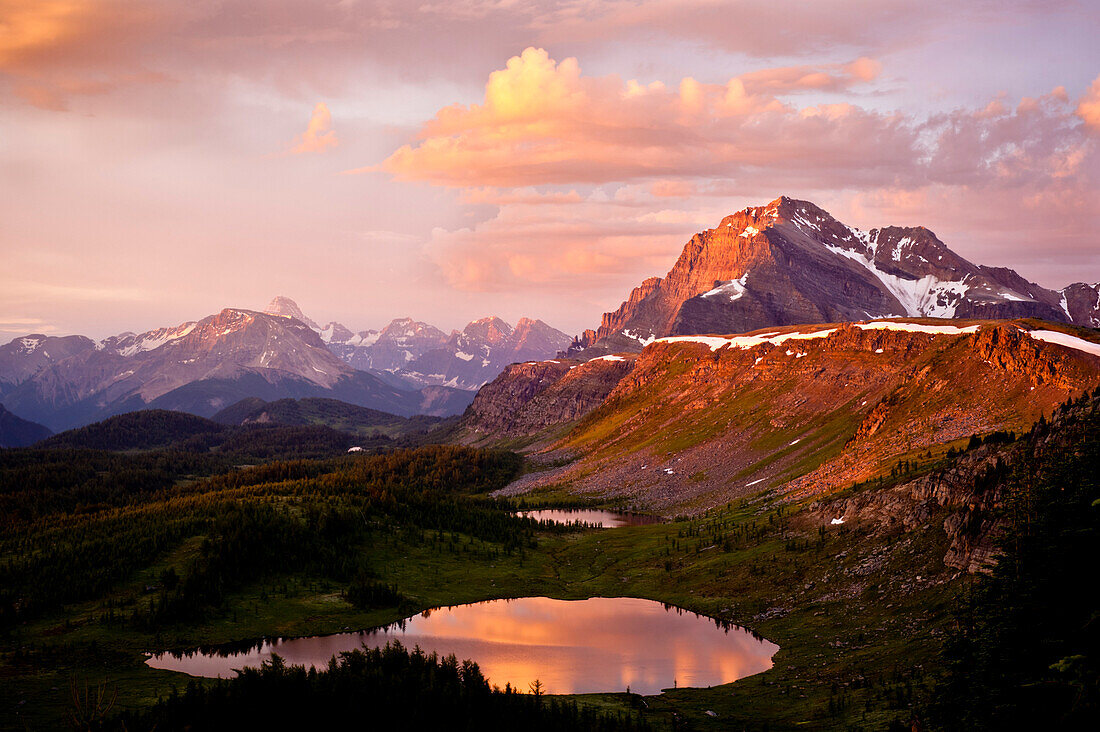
(18, 432)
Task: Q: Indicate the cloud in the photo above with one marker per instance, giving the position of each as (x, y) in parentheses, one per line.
(319, 135)
(52, 50)
(827, 77)
(24, 326)
(559, 243)
(769, 29)
(1088, 109)
(545, 123)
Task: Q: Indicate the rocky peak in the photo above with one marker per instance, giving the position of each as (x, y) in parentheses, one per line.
(336, 333)
(401, 329)
(790, 262)
(287, 308)
(491, 330)
(1081, 302)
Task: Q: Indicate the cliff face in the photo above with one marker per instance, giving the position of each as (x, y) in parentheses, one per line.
(530, 397)
(967, 499)
(808, 410)
(790, 262)
(1082, 303)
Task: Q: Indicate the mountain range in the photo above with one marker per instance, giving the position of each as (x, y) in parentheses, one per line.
(411, 354)
(790, 262)
(204, 366)
(197, 367)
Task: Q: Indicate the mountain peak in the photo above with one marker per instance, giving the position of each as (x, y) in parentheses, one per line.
(490, 329)
(283, 306)
(791, 262)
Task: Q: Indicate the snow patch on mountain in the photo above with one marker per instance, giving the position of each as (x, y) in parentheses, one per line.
(746, 342)
(1067, 340)
(928, 297)
(31, 343)
(751, 341)
(644, 340)
(918, 328)
(155, 339)
(733, 289)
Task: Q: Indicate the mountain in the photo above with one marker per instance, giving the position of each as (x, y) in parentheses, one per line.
(285, 307)
(24, 357)
(329, 412)
(410, 354)
(142, 430)
(18, 432)
(198, 367)
(790, 262)
(388, 350)
(476, 355)
(697, 421)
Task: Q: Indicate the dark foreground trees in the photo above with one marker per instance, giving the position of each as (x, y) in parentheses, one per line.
(1026, 654)
(385, 688)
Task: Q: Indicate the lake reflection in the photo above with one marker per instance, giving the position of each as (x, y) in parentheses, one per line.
(593, 517)
(571, 646)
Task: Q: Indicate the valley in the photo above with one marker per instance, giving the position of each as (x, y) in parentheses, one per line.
(549, 366)
(777, 442)
(860, 605)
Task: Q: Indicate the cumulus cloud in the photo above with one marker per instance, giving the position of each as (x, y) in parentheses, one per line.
(1088, 109)
(543, 122)
(319, 135)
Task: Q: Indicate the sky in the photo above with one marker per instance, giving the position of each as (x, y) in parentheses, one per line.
(163, 159)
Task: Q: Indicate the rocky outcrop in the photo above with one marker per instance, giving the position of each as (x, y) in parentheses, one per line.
(967, 500)
(790, 263)
(1082, 303)
(530, 397)
(961, 500)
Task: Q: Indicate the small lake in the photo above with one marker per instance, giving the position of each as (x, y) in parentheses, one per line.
(592, 517)
(571, 646)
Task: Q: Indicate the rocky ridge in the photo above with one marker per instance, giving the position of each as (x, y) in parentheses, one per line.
(552, 393)
(808, 410)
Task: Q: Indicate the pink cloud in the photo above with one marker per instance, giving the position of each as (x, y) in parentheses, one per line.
(544, 122)
(1088, 109)
(551, 244)
(319, 135)
(973, 172)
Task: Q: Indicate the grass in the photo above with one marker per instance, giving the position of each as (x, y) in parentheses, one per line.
(849, 636)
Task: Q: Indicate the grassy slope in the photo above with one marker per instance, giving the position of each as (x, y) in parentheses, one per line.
(834, 629)
(792, 417)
